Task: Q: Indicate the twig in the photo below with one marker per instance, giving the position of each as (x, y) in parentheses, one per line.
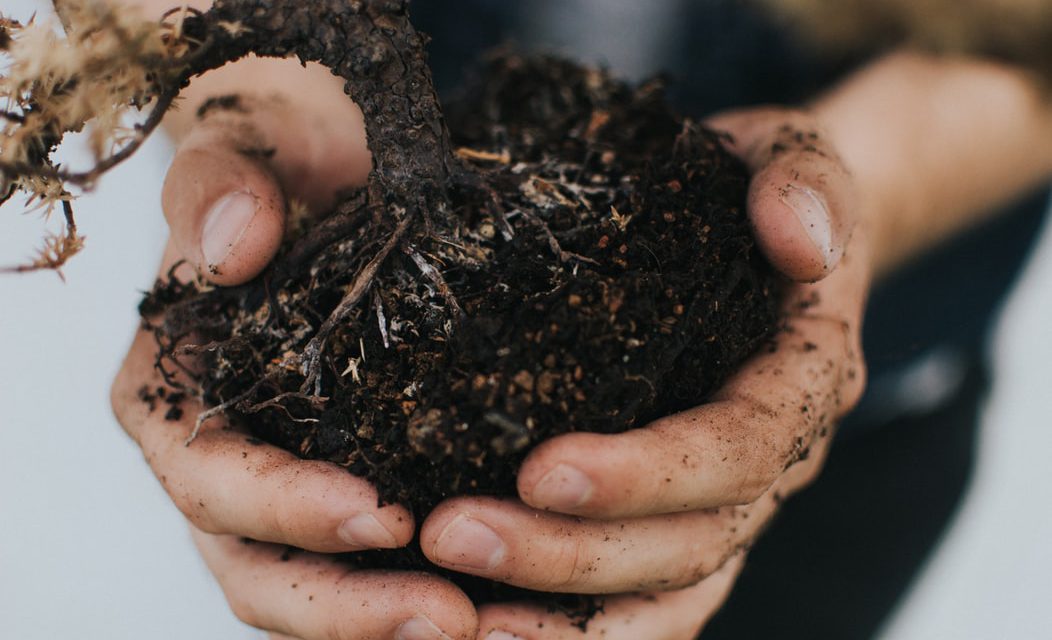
(87, 178)
(466, 153)
(57, 249)
(71, 223)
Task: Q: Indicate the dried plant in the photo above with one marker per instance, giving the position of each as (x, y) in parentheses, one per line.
(112, 62)
(108, 65)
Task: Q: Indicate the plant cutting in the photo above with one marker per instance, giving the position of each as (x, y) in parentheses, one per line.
(556, 251)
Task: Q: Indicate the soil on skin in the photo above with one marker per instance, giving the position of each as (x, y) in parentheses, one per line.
(595, 271)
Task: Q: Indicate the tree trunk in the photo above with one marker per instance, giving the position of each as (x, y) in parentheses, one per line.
(373, 46)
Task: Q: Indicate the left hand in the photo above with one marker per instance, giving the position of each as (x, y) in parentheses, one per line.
(670, 505)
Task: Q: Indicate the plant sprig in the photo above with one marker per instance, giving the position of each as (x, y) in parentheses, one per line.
(109, 63)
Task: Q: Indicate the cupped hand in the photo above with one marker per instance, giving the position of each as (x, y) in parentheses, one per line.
(225, 200)
(666, 506)
(314, 597)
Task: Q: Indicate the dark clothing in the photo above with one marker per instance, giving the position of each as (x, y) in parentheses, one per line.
(843, 552)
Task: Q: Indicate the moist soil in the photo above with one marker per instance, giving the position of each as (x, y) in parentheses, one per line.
(593, 269)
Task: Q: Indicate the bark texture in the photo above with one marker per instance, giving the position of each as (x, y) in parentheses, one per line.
(370, 44)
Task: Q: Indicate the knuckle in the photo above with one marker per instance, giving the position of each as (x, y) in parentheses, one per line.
(122, 405)
(761, 455)
(338, 629)
(292, 521)
(758, 479)
(856, 376)
(755, 486)
(810, 473)
(276, 522)
(204, 524)
(568, 566)
(701, 566)
(800, 475)
(243, 609)
(194, 510)
(182, 503)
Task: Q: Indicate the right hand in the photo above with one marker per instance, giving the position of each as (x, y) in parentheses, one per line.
(232, 487)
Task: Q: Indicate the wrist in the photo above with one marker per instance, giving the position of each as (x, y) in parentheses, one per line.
(936, 144)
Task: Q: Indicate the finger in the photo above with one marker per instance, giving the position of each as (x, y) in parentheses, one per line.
(225, 482)
(316, 598)
(507, 541)
(731, 450)
(225, 193)
(801, 197)
(225, 208)
(673, 615)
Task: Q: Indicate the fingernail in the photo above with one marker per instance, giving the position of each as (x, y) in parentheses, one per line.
(224, 226)
(497, 634)
(468, 543)
(813, 215)
(363, 530)
(419, 628)
(564, 487)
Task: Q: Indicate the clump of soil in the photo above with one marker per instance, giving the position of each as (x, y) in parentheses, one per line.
(595, 270)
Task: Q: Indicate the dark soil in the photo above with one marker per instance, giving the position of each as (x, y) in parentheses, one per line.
(595, 271)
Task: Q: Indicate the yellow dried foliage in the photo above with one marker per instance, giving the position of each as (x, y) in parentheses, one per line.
(53, 255)
(107, 62)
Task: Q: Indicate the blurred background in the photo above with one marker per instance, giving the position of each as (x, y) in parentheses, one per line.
(90, 546)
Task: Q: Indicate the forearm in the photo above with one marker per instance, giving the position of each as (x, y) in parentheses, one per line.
(935, 144)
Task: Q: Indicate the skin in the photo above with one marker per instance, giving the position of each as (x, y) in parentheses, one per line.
(671, 506)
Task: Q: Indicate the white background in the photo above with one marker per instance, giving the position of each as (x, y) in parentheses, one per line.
(90, 547)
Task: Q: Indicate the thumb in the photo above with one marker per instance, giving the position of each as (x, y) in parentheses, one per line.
(801, 197)
(226, 191)
(224, 205)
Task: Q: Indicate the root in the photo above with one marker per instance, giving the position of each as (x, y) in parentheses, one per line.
(435, 276)
(310, 360)
(323, 235)
(553, 242)
(381, 320)
(276, 402)
(473, 180)
(220, 409)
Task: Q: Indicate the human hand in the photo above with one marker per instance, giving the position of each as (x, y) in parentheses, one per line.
(230, 486)
(666, 506)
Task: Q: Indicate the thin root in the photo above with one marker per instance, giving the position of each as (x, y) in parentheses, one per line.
(435, 276)
(553, 242)
(311, 357)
